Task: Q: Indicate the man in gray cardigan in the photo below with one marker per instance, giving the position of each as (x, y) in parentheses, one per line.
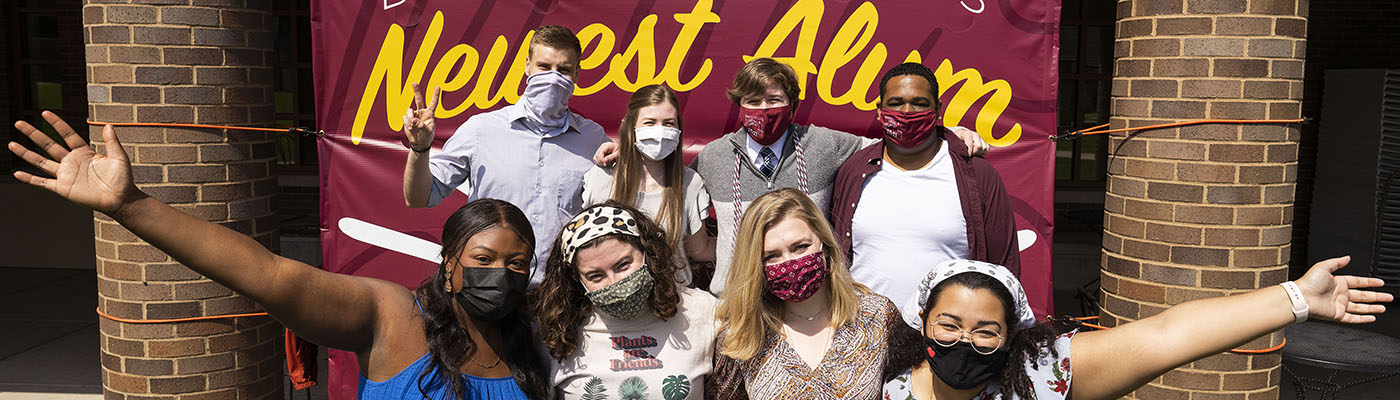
(769, 152)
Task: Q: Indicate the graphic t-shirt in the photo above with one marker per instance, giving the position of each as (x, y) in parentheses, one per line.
(644, 358)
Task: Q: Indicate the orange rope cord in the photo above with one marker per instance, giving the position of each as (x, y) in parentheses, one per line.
(1262, 351)
(174, 125)
(1081, 131)
(172, 320)
(1092, 131)
(239, 128)
(1081, 320)
(244, 128)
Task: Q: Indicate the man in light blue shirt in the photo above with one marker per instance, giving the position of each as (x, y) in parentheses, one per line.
(532, 154)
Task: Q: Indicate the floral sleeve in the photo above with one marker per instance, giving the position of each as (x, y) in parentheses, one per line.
(1054, 374)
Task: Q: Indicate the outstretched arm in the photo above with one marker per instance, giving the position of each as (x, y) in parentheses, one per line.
(1109, 363)
(334, 310)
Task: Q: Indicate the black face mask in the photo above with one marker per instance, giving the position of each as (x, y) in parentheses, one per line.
(488, 294)
(962, 367)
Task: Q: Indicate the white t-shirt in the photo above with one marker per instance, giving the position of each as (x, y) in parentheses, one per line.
(645, 357)
(598, 187)
(906, 223)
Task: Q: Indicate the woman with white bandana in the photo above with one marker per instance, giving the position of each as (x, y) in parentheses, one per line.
(651, 175)
(981, 340)
(608, 320)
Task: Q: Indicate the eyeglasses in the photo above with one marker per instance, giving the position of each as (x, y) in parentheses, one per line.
(948, 333)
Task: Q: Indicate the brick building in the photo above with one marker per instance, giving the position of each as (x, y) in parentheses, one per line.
(1202, 211)
(1177, 203)
(185, 62)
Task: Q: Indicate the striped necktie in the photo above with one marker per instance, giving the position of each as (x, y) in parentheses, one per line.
(767, 158)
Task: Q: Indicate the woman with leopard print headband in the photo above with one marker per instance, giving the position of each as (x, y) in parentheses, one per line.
(611, 317)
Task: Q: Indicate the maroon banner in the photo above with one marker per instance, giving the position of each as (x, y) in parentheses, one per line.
(995, 62)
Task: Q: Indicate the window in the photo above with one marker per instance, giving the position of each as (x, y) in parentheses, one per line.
(43, 68)
(1086, 73)
(294, 99)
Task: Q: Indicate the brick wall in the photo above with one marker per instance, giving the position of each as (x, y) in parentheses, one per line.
(185, 61)
(1202, 211)
(1341, 34)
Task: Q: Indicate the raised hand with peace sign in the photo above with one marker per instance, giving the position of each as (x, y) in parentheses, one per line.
(418, 122)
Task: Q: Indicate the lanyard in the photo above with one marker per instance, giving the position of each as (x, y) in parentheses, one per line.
(738, 191)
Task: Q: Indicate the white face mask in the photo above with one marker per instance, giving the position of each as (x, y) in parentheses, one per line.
(657, 141)
(546, 98)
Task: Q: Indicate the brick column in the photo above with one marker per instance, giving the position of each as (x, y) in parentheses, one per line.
(184, 61)
(1202, 211)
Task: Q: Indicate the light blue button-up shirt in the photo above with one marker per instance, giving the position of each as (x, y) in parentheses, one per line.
(502, 155)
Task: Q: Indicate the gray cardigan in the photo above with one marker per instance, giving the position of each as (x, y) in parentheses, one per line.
(824, 150)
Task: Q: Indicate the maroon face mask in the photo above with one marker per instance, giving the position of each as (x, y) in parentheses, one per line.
(797, 279)
(908, 129)
(765, 125)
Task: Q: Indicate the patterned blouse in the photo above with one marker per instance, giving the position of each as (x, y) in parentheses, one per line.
(851, 368)
(1050, 377)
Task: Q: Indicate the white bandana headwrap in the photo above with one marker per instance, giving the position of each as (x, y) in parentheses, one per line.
(594, 223)
(1024, 316)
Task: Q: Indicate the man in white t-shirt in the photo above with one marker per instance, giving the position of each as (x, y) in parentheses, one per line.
(916, 199)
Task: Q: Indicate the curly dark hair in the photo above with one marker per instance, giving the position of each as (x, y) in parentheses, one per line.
(560, 304)
(911, 68)
(449, 344)
(907, 344)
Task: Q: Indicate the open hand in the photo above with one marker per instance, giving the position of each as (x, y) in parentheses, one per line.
(1338, 298)
(606, 155)
(99, 182)
(975, 145)
(418, 123)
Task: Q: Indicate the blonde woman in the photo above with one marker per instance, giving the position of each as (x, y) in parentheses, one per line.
(793, 324)
(651, 175)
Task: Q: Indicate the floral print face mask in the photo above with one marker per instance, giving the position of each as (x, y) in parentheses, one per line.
(625, 298)
(797, 279)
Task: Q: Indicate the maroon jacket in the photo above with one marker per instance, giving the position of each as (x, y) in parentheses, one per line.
(991, 226)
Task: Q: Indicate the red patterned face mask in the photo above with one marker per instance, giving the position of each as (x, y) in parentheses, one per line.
(908, 129)
(797, 279)
(765, 125)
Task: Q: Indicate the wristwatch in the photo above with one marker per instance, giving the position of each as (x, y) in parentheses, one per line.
(1300, 305)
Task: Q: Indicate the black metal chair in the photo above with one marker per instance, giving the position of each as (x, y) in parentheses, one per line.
(1338, 348)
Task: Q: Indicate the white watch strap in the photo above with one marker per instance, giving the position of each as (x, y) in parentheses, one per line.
(1300, 306)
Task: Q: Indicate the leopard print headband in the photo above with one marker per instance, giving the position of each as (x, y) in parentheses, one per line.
(594, 223)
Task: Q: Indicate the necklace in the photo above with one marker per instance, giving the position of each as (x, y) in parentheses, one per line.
(498, 361)
(809, 318)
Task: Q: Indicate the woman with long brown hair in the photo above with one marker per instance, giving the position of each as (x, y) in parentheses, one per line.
(651, 175)
(793, 324)
(609, 319)
(463, 334)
